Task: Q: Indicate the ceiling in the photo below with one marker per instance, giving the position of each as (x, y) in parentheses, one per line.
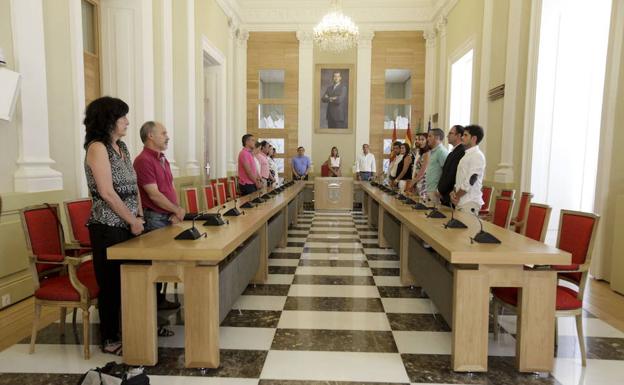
(371, 15)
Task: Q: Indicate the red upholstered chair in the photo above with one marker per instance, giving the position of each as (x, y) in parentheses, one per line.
(221, 194)
(487, 193)
(209, 197)
(232, 193)
(503, 207)
(78, 212)
(508, 193)
(324, 170)
(237, 184)
(73, 287)
(537, 220)
(518, 222)
(577, 232)
(191, 201)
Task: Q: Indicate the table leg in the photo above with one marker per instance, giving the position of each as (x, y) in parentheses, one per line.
(262, 275)
(536, 322)
(470, 321)
(407, 278)
(201, 317)
(284, 239)
(380, 228)
(138, 313)
(370, 205)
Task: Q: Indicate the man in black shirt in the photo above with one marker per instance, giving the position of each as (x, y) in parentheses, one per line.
(449, 170)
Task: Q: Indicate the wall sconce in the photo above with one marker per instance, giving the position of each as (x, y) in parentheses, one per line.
(9, 86)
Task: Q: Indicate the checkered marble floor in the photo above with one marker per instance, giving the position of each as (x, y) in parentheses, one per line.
(333, 312)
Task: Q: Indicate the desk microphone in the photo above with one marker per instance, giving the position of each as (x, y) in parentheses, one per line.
(454, 223)
(216, 219)
(435, 213)
(483, 236)
(192, 233)
(234, 211)
(258, 199)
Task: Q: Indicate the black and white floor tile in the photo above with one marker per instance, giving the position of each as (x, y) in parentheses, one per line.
(333, 312)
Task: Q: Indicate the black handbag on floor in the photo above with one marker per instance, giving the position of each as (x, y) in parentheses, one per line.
(113, 374)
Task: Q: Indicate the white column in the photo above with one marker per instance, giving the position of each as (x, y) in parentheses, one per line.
(232, 108)
(34, 172)
(241, 91)
(430, 72)
(167, 80)
(362, 122)
(504, 172)
(306, 76)
(192, 166)
(486, 57)
(442, 94)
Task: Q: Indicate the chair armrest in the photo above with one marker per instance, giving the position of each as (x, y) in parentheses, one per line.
(34, 259)
(73, 279)
(77, 261)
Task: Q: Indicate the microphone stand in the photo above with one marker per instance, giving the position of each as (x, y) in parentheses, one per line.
(258, 199)
(435, 213)
(192, 233)
(483, 236)
(454, 223)
(216, 219)
(234, 212)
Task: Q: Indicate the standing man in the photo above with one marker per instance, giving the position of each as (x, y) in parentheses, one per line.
(336, 97)
(248, 178)
(301, 165)
(394, 165)
(437, 157)
(467, 194)
(158, 195)
(365, 166)
(449, 170)
(263, 157)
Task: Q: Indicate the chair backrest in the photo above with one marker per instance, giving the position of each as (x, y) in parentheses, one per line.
(78, 212)
(232, 193)
(221, 194)
(213, 183)
(190, 197)
(536, 223)
(487, 192)
(523, 208)
(324, 170)
(209, 197)
(503, 207)
(576, 235)
(44, 237)
(509, 193)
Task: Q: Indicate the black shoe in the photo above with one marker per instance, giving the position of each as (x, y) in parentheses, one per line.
(168, 305)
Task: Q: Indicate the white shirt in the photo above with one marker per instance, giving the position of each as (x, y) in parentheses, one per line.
(334, 162)
(365, 163)
(257, 165)
(473, 162)
(395, 165)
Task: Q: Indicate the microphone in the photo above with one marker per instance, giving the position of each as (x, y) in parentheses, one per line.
(454, 223)
(215, 219)
(258, 199)
(192, 233)
(435, 213)
(234, 212)
(483, 236)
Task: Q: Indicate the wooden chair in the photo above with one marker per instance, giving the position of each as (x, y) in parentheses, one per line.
(508, 193)
(232, 193)
(518, 222)
(78, 212)
(221, 194)
(503, 207)
(191, 201)
(577, 232)
(74, 286)
(209, 197)
(487, 193)
(537, 220)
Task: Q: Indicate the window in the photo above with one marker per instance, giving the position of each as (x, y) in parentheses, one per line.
(387, 149)
(89, 14)
(278, 143)
(461, 90)
(270, 116)
(280, 165)
(271, 84)
(386, 164)
(397, 115)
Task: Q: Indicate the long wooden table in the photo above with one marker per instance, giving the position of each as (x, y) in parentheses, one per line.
(475, 268)
(157, 257)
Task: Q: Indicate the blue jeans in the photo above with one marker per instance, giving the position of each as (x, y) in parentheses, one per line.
(365, 175)
(155, 220)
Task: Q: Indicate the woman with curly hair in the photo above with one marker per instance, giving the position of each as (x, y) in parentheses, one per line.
(116, 213)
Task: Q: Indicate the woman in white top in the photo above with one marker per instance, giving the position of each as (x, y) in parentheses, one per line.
(273, 167)
(255, 153)
(334, 163)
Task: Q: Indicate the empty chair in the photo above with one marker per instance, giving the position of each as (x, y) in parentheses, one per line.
(232, 193)
(76, 287)
(190, 198)
(487, 194)
(508, 193)
(538, 216)
(577, 232)
(221, 194)
(78, 212)
(503, 207)
(209, 197)
(518, 222)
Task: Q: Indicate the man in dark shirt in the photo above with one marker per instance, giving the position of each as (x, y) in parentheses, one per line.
(449, 170)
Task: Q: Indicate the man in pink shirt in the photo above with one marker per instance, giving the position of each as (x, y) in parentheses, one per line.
(265, 170)
(248, 178)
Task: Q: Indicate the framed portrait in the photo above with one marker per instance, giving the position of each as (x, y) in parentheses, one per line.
(334, 98)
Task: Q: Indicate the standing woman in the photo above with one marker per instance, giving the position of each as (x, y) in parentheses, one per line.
(334, 162)
(420, 166)
(404, 169)
(274, 168)
(116, 213)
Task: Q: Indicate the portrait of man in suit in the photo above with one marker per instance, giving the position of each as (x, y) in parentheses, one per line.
(333, 111)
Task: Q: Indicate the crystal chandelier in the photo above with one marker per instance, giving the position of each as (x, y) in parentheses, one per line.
(336, 32)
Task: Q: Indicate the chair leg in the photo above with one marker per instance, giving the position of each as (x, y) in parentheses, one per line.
(496, 310)
(33, 336)
(85, 333)
(74, 317)
(63, 315)
(556, 335)
(581, 338)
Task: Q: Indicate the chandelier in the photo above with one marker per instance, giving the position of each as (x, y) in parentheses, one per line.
(336, 32)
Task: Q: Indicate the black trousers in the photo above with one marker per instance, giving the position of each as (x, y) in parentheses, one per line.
(247, 189)
(107, 274)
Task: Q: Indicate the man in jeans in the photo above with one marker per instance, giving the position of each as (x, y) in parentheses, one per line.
(158, 195)
(248, 177)
(437, 157)
(301, 165)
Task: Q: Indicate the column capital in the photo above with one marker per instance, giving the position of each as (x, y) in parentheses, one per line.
(441, 25)
(242, 36)
(233, 28)
(365, 39)
(306, 38)
(429, 35)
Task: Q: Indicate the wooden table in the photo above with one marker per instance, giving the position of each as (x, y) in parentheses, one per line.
(196, 265)
(477, 268)
(333, 193)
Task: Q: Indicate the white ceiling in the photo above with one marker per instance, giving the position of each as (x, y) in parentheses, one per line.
(293, 15)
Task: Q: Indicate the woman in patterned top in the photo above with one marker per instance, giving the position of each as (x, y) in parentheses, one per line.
(116, 214)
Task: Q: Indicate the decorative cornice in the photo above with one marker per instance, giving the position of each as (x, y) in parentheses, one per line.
(429, 35)
(306, 38)
(365, 39)
(441, 25)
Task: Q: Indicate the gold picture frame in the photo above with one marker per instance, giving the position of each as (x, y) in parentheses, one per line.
(326, 96)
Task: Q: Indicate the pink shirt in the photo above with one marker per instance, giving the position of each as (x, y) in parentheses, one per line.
(245, 157)
(264, 165)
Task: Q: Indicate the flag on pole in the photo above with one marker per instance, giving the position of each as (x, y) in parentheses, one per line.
(408, 136)
(429, 125)
(394, 139)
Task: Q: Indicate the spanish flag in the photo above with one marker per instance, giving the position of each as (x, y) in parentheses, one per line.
(408, 136)
(394, 139)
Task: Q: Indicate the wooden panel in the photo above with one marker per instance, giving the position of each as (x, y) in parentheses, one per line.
(92, 68)
(275, 50)
(395, 50)
(333, 193)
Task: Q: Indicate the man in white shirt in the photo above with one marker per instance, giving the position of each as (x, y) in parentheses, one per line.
(365, 166)
(394, 165)
(467, 195)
